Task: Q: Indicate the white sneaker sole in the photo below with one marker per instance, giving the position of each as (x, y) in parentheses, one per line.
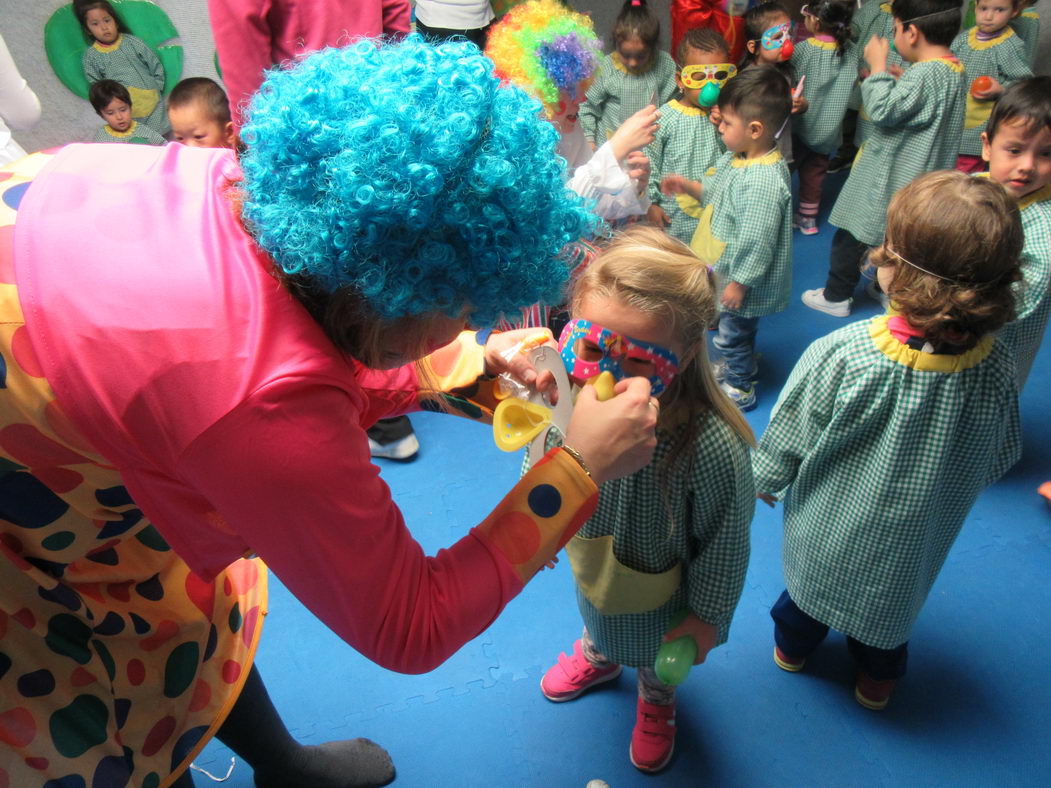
(834, 308)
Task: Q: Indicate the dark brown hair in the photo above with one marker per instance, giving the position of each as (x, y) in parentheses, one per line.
(101, 93)
(1027, 101)
(81, 8)
(637, 20)
(203, 90)
(702, 39)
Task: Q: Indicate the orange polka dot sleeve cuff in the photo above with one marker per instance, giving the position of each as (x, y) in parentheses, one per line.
(540, 514)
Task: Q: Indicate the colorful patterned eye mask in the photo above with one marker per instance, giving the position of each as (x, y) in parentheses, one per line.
(699, 76)
(775, 37)
(580, 338)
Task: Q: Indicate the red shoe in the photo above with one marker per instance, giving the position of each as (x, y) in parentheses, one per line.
(572, 675)
(872, 694)
(785, 662)
(653, 739)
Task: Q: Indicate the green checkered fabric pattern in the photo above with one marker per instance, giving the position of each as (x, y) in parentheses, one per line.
(751, 203)
(686, 144)
(132, 64)
(1004, 61)
(829, 81)
(917, 121)
(1027, 27)
(861, 25)
(882, 25)
(881, 463)
(1025, 334)
(141, 134)
(616, 95)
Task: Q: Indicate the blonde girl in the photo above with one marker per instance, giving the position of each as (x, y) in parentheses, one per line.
(888, 429)
(674, 536)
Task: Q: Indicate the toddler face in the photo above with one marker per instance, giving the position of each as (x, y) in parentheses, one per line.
(1019, 157)
(634, 54)
(117, 114)
(774, 38)
(734, 130)
(992, 16)
(193, 126)
(102, 26)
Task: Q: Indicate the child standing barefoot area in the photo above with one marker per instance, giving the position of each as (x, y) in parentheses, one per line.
(673, 536)
(637, 73)
(888, 429)
(116, 54)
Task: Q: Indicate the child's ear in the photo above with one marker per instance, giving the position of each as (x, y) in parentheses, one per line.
(987, 147)
(229, 135)
(751, 46)
(755, 129)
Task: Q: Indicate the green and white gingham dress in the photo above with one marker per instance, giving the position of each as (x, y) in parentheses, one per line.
(696, 515)
(881, 23)
(1027, 26)
(917, 121)
(134, 65)
(1025, 334)
(745, 229)
(687, 144)
(616, 95)
(1003, 59)
(830, 79)
(879, 452)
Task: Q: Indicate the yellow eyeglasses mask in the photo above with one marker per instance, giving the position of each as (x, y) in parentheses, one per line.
(699, 76)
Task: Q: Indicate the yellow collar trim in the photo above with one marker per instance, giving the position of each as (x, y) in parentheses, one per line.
(686, 109)
(887, 8)
(122, 134)
(952, 63)
(109, 47)
(1031, 13)
(772, 157)
(1043, 194)
(925, 362)
(974, 43)
(814, 41)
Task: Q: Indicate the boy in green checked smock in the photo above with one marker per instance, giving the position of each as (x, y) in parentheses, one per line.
(888, 429)
(745, 230)
(673, 537)
(113, 104)
(116, 54)
(917, 121)
(637, 73)
(1017, 145)
(687, 141)
(825, 64)
(879, 23)
(992, 51)
(1027, 26)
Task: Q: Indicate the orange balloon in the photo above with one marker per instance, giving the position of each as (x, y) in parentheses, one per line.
(980, 85)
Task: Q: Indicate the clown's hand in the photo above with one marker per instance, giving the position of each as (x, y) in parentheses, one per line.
(507, 352)
(635, 133)
(615, 437)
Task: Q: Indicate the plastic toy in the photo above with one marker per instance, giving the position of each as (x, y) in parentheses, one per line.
(787, 49)
(980, 85)
(675, 658)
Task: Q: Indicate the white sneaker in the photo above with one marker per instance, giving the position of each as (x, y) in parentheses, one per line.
(403, 449)
(873, 292)
(815, 299)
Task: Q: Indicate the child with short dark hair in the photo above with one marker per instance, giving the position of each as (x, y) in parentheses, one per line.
(888, 429)
(687, 141)
(637, 73)
(112, 102)
(824, 62)
(917, 122)
(116, 54)
(199, 114)
(744, 204)
(1017, 145)
(993, 57)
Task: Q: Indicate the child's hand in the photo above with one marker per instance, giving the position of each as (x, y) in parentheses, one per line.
(733, 295)
(800, 105)
(677, 184)
(715, 116)
(895, 71)
(703, 634)
(767, 498)
(636, 132)
(658, 216)
(993, 91)
(876, 52)
(639, 169)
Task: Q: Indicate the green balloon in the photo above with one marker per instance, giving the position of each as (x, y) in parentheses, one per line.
(675, 658)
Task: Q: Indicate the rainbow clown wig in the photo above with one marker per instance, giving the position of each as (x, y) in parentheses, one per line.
(546, 49)
(407, 173)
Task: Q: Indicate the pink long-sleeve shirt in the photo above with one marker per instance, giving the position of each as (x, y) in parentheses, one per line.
(234, 422)
(253, 35)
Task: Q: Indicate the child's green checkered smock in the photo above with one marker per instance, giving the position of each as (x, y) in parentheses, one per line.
(616, 95)
(879, 451)
(134, 65)
(830, 79)
(917, 121)
(1027, 26)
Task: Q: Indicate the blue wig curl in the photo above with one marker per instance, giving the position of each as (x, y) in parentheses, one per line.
(408, 173)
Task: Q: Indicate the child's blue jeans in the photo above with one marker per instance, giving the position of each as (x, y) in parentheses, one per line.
(736, 343)
(797, 635)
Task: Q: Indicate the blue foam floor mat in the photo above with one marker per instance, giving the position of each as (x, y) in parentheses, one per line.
(973, 711)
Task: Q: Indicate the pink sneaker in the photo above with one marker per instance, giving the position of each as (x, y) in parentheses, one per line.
(653, 739)
(572, 675)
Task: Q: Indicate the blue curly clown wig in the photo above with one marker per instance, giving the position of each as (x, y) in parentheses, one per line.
(406, 173)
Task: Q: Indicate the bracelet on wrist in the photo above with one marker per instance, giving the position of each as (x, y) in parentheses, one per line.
(576, 456)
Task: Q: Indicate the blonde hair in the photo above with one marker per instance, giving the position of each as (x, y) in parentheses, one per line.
(648, 270)
(955, 243)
